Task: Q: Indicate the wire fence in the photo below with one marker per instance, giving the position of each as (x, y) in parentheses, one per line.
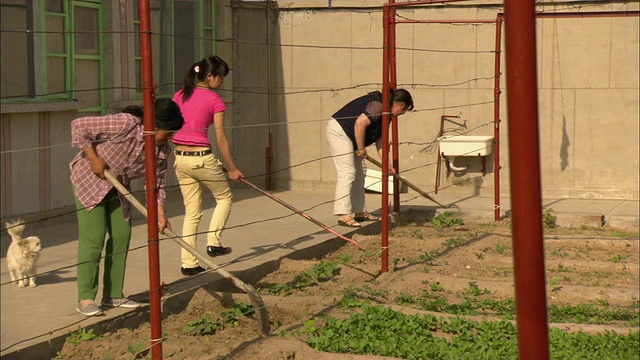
(427, 146)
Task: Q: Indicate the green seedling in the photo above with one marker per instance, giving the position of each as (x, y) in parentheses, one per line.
(618, 258)
(205, 326)
(80, 335)
(549, 220)
(502, 249)
(446, 219)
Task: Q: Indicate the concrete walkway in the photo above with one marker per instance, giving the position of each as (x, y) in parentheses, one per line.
(35, 321)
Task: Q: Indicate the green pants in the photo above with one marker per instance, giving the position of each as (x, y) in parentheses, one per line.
(106, 218)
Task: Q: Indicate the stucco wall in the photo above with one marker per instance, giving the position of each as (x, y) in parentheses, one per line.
(323, 57)
(292, 68)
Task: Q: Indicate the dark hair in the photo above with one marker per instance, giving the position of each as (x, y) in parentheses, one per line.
(167, 115)
(212, 64)
(135, 110)
(403, 96)
(399, 95)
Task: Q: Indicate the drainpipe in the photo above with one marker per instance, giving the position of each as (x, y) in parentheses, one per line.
(526, 199)
(151, 188)
(268, 153)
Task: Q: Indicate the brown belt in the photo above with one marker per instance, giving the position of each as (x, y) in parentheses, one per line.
(193, 153)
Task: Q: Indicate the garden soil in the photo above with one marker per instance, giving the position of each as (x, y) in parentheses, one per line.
(596, 266)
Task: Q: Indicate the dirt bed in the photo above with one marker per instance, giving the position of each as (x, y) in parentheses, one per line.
(451, 263)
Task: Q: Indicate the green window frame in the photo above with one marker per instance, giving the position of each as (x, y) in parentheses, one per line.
(177, 41)
(56, 56)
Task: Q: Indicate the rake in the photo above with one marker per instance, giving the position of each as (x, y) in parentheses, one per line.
(256, 300)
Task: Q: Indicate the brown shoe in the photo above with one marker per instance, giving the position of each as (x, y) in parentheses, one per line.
(366, 216)
(348, 221)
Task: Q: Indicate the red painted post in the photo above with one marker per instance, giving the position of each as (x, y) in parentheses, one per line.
(385, 140)
(152, 191)
(496, 119)
(524, 160)
(394, 124)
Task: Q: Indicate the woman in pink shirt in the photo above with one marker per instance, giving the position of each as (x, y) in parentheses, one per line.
(195, 162)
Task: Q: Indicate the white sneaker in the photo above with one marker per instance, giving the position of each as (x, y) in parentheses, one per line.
(89, 310)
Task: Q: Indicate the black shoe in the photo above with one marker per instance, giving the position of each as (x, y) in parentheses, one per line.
(218, 250)
(192, 271)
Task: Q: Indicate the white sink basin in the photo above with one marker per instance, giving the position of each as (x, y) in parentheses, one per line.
(466, 145)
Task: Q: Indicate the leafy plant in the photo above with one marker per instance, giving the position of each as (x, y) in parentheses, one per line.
(559, 253)
(429, 256)
(475, 290)
(549, 220)
(238, 310)
(404, 299)
(378, 330)
(276, 289)
(454, 242)
(136, 348)
(322, 271)
(80, 335)
(345, 258)
(446, 219)
(204, 326)
(436, 287)
(394, 264)
(618, 258)
(501, 249)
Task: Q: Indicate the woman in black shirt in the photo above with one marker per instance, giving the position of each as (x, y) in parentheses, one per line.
(355, 126)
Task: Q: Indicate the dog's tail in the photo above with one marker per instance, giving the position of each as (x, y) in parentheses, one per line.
(15, 229)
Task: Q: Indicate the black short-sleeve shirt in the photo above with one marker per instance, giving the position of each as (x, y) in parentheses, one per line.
(371, 106)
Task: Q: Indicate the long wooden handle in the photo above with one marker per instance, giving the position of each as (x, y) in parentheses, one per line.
(258, 304)
(281, 202)
(406, 182)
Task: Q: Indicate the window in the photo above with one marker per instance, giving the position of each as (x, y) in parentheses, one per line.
(17, 64)
(183, 33)
(53, 49)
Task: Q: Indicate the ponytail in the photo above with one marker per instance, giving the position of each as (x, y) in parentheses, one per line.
(213, 65)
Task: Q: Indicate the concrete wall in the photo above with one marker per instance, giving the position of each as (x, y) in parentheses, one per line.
(292, 68)
(322, 57)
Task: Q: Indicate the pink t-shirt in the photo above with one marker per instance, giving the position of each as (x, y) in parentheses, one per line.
(198, 116)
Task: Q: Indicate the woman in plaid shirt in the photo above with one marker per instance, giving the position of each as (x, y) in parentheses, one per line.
(113, 142)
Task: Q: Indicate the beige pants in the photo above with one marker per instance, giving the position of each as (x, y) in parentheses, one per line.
(192, 172)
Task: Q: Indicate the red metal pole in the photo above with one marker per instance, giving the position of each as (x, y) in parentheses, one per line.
(422, 2)
(152, 191)
(385, 141)
(496, 119)
(524, 160)
(394, 124)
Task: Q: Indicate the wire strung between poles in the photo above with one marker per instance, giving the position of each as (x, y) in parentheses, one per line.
(247, 182)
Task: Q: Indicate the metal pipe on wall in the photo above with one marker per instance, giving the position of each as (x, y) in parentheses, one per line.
(269, 149)
(151, 188)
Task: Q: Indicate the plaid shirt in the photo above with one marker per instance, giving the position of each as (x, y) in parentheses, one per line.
(118, 140)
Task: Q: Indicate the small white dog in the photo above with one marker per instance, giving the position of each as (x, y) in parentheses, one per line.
(22, 254)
